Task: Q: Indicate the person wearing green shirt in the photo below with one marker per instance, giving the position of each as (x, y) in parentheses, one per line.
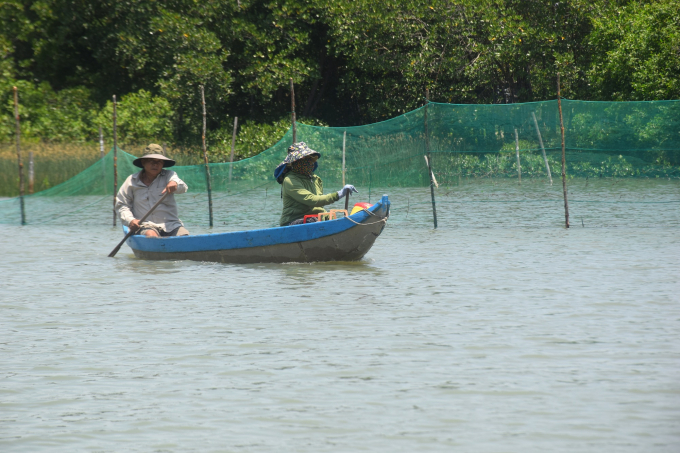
(301, 189)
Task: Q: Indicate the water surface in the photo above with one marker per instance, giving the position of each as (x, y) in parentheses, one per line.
(500, 331)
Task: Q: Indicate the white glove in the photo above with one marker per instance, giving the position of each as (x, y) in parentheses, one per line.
(348, 189)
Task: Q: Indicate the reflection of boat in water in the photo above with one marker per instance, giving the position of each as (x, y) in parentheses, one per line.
(344, 239)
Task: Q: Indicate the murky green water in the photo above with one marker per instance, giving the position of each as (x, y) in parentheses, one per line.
(499, 332)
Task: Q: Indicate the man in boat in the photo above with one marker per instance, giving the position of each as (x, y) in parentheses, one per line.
(301, 189)
(143, 189)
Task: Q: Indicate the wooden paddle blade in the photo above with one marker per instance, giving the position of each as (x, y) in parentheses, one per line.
(114, 251)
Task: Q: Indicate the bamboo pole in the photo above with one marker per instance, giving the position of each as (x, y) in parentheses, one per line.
(519, 166)
(101, 143)
(564, 170)
(292, 109)
(31, 173)
(540, 141)
(205, 159)
(115, 157)
(370, 180)
(344, 139)
(233, 146)
(21, 164)
(428, 158)
(101, 155)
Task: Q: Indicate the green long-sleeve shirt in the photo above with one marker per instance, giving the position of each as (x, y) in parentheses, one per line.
(303, 195)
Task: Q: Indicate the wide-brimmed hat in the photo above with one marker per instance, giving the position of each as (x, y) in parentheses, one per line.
(297, 151)
(154, 151)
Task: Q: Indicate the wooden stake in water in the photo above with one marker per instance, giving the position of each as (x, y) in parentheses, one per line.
(344, 139)
(115, 158)
(428, 158)
(433, 178)
(292, 109)
(564, 170)
(21, 164)
(519, 166)
(205, 159)
(233, 146)
(540, 142)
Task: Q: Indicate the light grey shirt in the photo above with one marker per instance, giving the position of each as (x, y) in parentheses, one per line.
(135, 198)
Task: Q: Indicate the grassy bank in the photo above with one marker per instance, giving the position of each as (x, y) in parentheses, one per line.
(55, 163)
(52, 164)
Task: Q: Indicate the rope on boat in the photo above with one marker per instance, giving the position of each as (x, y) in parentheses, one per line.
(384, 220)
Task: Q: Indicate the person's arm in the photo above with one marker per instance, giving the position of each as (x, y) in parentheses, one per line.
(181, 185)
(124, 203)
(298, 193)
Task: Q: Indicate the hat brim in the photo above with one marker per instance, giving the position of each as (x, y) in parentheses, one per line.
(167, 162)
(290, 158)
(283, 168)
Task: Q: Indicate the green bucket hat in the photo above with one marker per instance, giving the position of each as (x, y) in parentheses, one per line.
(153, 151)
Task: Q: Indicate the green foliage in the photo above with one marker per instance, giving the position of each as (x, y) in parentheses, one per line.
(636, 52)
(642, 126)
(252, 138)
(65, 115)
(353, 62)
(141, 118)
(593, 165)
(70, 115)
(464, 52)
(277, 40)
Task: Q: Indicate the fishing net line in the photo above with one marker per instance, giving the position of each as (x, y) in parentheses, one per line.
(622, 162)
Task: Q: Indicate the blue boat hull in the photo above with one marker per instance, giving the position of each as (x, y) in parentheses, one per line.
(334, 240)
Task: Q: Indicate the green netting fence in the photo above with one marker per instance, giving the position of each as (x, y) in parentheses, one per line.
(475, 151)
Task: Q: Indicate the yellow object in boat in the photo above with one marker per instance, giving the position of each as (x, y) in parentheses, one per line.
(360, 207)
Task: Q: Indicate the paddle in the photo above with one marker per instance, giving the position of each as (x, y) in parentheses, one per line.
(130, 233)
(347, 202)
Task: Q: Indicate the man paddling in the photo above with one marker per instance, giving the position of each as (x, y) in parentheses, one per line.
(143, 189)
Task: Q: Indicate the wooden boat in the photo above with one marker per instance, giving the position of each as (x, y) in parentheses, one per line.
(344, 239)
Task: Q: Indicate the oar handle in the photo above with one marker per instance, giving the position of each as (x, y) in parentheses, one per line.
(130, 232)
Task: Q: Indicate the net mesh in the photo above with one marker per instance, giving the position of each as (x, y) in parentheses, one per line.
(478, 154)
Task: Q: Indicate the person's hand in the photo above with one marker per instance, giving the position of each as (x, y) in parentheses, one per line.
(134, 225)
(348, 189)
(170, 188)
